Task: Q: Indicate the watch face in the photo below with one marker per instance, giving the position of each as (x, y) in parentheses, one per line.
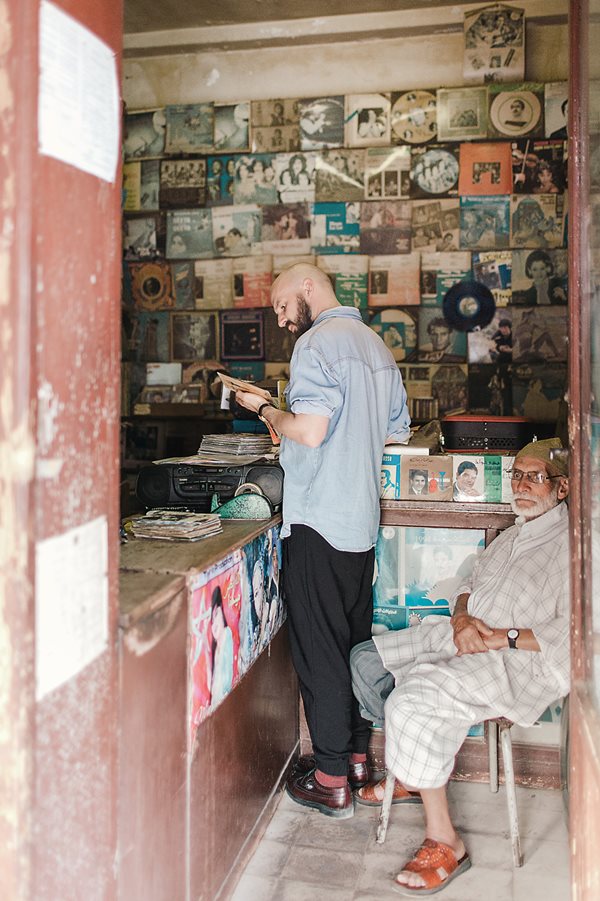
(513, 633)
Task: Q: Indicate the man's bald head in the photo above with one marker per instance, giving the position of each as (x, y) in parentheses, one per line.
(300, 294)
(294, 276)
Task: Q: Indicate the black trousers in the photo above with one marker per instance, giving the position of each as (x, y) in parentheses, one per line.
(330, 609)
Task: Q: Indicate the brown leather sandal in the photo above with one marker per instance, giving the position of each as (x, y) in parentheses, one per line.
(437, 865)
(369, 796)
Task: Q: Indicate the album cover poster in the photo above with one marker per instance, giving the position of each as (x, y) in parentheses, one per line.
(189, 234)
(277, 372)
(279, 342)
(490, 389)
(254, 180)
(163, 373)
(220, 180)
(398, 330)
(242, 335)
(349, 277)
(493, 268)
(413, 117)
(151, 286)
(144, 134)
(335, 228)
(141, 185)
(435, 225)
(295, 176)
(182, 275)
(426, 478)
(556, 109)
(387, 173)
(485, 168)
(462, 114)
(436, 265)
(539, 334)
(444, 281)
(537, 221)
(231, 132)
(434, 171)
(193, 336)
(478, 478)
(450, 387)
(484, 222)
(494, 44)
(204, 375)
(540, 277)
(394, 280)
(493, 343)
(213, 287)
(189, 128)
(277, 139)
(420, 569)
(438, 342)
(140, 237)
(368, 120)
(340, 175)
(252, 281)
(146, 336)
(281, 261)
(249, 371)
(182, 183)
(155, 394)
(385, 227)
(516, 110)
(539, 167)
(538, 390)
(286, 228)
(274, 113)
(321, 122)
(236, 230)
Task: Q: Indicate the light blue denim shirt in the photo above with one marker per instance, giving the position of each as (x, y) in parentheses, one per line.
(341, 369)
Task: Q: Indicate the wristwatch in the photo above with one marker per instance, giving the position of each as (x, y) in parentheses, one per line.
(512, 636)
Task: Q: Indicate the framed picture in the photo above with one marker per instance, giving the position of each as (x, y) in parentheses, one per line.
(232, 131)
(516, 110)
(413, 117)
(462, 113)
(193, 336)
(368, 120)
(485, 168)
(242, 335)
(189, 128)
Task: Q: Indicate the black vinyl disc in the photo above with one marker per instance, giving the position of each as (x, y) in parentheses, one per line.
(468, 305)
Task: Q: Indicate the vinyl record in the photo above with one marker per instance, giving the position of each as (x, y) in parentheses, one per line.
(515, 113)
(151, 286)
(414, 118)
(468, 305)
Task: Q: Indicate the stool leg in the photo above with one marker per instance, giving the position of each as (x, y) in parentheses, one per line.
(511, 794)
(386, 807)
(493, 755)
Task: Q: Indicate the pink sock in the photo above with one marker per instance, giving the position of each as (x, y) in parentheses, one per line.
(330, 781)
(358, 758)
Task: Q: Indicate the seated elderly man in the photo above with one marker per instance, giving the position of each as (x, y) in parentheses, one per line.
(504, 652)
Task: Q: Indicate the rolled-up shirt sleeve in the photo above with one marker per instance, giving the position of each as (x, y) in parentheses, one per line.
(399, 424)
(315, 388)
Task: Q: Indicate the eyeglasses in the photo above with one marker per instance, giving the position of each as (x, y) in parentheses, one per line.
(536, 478)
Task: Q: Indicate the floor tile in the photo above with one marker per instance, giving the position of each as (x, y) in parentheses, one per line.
(323, 867)
(253, 888)
(293, 890)
(269, 858)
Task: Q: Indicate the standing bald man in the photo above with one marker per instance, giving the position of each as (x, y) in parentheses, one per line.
(345, 399)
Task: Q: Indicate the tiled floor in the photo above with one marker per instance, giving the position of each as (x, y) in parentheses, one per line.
(305, 856)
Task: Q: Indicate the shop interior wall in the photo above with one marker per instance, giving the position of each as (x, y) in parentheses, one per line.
(419, 61)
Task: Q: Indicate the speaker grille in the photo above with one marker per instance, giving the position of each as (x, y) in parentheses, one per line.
(270, 481)
(153, 486)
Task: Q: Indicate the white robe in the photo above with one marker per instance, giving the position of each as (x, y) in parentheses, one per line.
(521, 580)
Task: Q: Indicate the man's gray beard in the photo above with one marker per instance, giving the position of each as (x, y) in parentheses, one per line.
(543, 504)
(303, 320)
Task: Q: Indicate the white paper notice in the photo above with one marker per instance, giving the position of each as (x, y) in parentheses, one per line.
(79, 106)
(71, 603)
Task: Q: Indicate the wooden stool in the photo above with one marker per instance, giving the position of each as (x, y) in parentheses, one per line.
(509, 778)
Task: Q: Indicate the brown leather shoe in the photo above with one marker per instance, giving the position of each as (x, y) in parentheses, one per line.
(304, 789)
(358, 775)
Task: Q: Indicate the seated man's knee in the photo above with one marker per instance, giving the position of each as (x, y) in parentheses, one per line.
(361, 654)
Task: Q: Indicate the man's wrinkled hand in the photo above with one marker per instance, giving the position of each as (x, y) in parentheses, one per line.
(469, 635)
(497, 640)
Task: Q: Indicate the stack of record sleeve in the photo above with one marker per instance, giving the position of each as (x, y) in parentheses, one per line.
(176, 525)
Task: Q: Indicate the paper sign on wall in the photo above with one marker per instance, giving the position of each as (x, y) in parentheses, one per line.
(71, 603)
(79, 107)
